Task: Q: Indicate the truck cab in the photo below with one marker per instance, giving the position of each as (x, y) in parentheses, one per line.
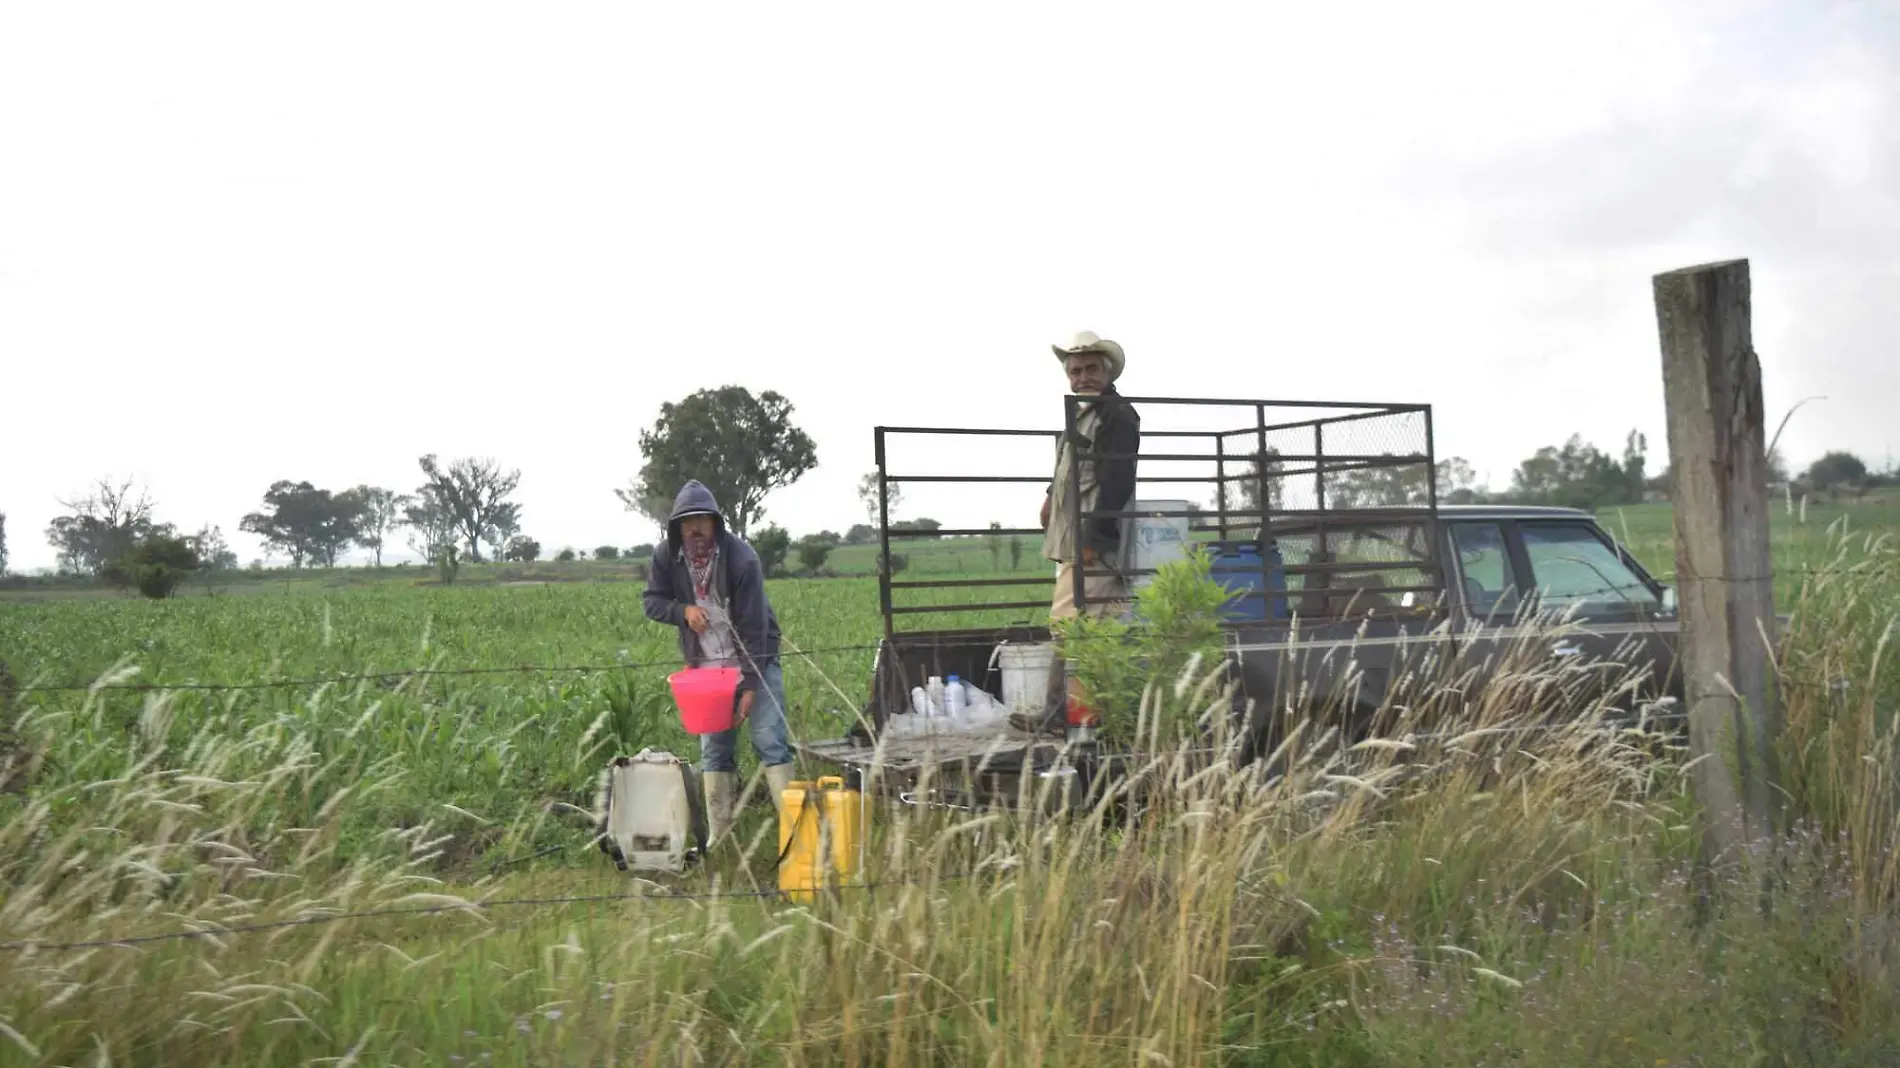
(1523, 588)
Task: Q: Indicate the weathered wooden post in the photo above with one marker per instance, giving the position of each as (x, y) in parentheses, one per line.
(1724, 579)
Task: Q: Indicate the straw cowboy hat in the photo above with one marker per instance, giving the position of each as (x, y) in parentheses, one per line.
(1089, 341)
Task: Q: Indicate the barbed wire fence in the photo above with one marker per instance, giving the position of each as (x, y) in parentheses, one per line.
(390, 676)
(76, 686)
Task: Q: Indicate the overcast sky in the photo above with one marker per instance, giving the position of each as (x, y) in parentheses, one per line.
(251, 241)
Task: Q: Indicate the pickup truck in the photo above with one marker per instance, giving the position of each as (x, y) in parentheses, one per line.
(1334, 603)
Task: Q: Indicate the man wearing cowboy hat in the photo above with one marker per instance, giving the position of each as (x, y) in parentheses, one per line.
(1106, 424)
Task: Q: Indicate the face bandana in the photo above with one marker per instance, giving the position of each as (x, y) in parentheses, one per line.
(700, 549)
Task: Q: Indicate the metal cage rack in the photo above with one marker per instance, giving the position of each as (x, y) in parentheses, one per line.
(1299, 498)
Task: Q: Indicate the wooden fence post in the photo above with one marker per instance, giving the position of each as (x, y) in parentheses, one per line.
(1724, 577)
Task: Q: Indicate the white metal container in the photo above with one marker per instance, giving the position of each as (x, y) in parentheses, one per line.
(1026, 670)
(1155, 541)
(653, 815)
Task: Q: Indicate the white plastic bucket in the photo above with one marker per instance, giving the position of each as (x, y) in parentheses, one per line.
(1158, 540)
(1026, 676)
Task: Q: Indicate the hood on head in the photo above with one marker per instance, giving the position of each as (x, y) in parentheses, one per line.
(693, 499)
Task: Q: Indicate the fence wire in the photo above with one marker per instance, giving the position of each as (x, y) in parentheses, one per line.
(674, 662)
(386, 676)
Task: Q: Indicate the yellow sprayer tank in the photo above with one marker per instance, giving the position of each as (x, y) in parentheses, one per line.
(820, 836)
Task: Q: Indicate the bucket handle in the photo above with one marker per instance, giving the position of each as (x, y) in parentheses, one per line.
(831, 781)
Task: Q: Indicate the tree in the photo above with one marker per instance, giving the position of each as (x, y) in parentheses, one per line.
(213, 554)
(155, 565)
(1015, 552)
(607, 552)
(522, 549)
(740, 446)
(308, 524)
(867, 495)
(643, 550)
(381, 512)
(1394, 484)
(565, 556)
(1457, 482)
(473, 495)
(772, 544)
(996, 547)
(1635, 463)
(432, 530)
(1836, 470)
(926, 524)
(1244, 494)
(812, 555)
(1578, 475)
(860, 534)
(102, 527)
(3, 543)
(503, 526)
(657, 503)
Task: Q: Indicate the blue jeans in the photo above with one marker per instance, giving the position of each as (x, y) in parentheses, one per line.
(770, 738)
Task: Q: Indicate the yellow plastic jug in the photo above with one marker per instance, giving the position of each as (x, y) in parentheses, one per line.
(820, 834)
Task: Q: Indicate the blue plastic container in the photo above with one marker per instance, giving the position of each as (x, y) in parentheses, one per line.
(1261, 591)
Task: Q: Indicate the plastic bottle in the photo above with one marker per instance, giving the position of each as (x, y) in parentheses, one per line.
(933, 693)
(953, 699)
(919, 701)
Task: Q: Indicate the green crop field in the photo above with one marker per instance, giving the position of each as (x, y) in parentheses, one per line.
(1543, 917)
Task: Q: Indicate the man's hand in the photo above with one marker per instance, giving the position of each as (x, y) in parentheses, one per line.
(1045, 513)
(696, 618)
(745, 704)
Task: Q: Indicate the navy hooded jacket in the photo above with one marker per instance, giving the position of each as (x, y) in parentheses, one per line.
(739, 578)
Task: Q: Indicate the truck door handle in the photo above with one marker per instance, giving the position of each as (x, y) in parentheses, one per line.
(1565, 649)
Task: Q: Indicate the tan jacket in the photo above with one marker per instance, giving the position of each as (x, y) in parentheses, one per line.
(1058, 543)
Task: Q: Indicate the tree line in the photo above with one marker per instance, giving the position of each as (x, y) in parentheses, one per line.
(744, 447)
(1575, 474)
(111, 533)
(457, 509)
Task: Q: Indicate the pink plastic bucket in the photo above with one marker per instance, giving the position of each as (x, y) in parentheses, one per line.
(705, 698)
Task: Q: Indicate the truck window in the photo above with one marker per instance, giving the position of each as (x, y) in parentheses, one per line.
(1490, 584)
(1572, 564)
(1400, 572)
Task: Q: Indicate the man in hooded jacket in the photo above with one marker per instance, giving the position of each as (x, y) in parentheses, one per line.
(709, 583)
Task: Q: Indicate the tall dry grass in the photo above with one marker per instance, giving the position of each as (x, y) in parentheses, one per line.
(1501, 874)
